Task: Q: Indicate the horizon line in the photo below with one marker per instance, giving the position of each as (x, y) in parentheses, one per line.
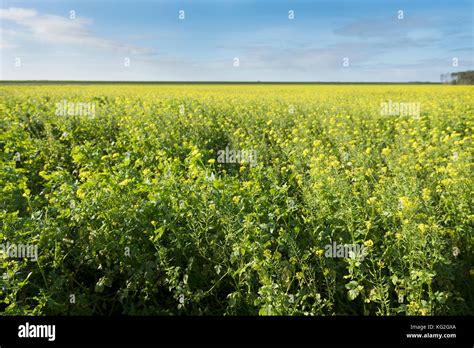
(217, 82)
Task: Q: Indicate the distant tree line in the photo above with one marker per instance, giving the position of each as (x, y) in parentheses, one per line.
(459, 78)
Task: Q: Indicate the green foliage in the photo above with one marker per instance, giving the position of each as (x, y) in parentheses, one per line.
(132, 214)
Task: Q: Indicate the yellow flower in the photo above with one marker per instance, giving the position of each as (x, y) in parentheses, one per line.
(319, 252)
(267, 253)
(404, 203)
(80, 193)
(371, 200)
(446, 182)
(422, 228)
(368, 243)
(426, 194)
(236, 199)
(125, 182)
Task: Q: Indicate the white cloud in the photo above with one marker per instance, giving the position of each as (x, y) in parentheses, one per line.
(17, 14)
(3, 42)
(47, 28)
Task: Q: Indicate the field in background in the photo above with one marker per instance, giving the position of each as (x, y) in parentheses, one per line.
(134, 209)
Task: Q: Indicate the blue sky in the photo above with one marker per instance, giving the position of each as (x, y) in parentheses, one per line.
(40, 37)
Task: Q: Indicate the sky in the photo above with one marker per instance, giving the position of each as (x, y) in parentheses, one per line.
(235, 40)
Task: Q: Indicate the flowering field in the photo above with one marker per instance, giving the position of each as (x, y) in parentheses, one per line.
(236, 199)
